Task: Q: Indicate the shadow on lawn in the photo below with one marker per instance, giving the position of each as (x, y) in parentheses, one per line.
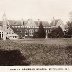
(12, 58)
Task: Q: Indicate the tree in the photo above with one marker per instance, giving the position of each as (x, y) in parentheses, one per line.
(12, 58)
(69, 32)
(56, 33)
(41, 31)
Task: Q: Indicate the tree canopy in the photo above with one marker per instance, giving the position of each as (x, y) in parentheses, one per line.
(56, 33)
(41, 31)
(69, 32)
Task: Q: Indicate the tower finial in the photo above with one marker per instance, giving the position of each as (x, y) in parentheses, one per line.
(53, 21)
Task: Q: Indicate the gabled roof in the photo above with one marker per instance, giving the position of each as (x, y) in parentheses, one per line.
(54, 22)
(1, 30)
(30, 23)
(44, 23)
(14, 23)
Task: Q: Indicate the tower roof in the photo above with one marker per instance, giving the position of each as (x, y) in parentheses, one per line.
(4, 16)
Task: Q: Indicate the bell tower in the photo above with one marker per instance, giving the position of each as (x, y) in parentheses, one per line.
(4, 26)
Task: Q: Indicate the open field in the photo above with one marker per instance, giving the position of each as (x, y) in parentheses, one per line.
(42, 51)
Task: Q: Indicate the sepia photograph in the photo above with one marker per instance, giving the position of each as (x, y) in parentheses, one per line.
(36, 33)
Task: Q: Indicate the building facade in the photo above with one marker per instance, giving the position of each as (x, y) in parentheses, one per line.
(27, 30)
(24, 29)
(5, 31)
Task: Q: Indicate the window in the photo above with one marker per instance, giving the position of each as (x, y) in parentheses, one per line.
(2, 35)
(15, 36)
(31, 32)
(26, 32)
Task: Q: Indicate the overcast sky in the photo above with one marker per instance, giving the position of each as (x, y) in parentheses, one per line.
(36, 9)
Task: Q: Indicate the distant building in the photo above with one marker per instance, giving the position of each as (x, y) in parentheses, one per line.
(24, 29)
(57, 22)
(5, 31)
(27, 29)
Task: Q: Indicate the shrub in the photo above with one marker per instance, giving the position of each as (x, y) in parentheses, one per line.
(35, 35)
(12, 57)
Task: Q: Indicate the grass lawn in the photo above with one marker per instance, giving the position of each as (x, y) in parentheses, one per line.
(42, 51)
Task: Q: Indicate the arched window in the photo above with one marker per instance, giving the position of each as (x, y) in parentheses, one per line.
(26, 32)
(31, 31)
